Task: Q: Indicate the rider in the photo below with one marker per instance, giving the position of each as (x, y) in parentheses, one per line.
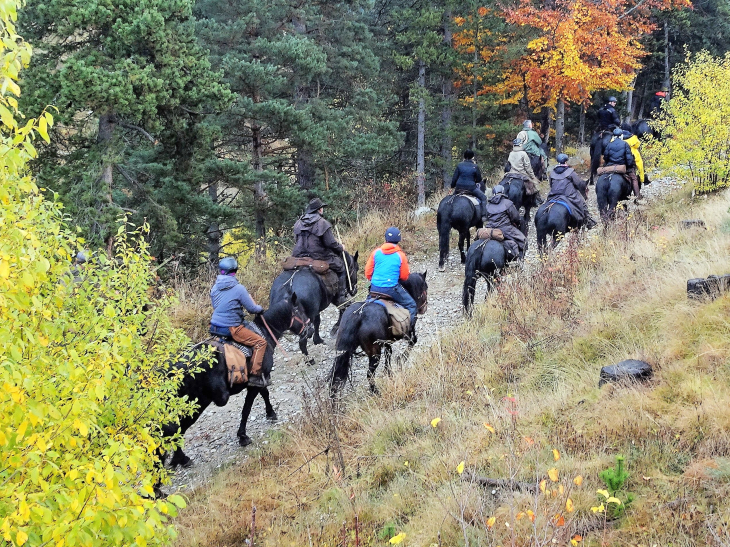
(618, 152)
(467, 178)
(229, 299)
(655, 106)
(519, 163)
(502, 214)
(566, 184)
(634, 143)
(533, 147)
(607, 116)
(314, 239)
(386, 267)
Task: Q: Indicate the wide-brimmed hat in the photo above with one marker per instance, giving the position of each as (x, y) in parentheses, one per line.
(315, 205)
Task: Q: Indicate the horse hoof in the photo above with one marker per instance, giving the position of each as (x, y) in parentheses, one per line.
(271, 416)
(309, 361)
(244, 440)
(184, 462)
(442, 268)
(317, 340)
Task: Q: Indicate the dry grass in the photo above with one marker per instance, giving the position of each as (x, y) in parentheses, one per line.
(527, 365)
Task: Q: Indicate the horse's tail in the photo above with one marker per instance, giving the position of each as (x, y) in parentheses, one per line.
(443, 225)
(603, 186)
(542, 223)
(347, 342)
(470, 275)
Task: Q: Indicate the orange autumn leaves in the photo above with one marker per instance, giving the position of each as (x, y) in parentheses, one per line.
(577, 47)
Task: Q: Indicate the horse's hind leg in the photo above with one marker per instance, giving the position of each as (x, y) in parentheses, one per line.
(387, 358)
(374, 360)
(251, 392)
(463, 236)
(270, 412)
(336, 326)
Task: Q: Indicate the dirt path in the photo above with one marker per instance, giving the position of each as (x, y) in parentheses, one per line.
(212, 441)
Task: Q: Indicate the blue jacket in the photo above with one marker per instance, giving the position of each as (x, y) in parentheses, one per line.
(466, 176)
(229, 298)
(618, 152)
(387, 266)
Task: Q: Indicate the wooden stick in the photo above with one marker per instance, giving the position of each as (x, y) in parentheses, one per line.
(344, 259)
(253, 525)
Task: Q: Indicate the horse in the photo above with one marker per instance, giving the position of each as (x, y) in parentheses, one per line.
(486, 258)
(552, 219)
(642, 128)
(312, 296)
(514, 189)
(598, 145)
(209, 383)
(611, 188)
(458, 212)
(367, 325)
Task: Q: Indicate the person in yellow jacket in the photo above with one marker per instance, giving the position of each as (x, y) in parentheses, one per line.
(636, 175)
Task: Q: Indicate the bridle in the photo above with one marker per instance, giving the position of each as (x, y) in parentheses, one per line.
(294, 318)
(422, 302)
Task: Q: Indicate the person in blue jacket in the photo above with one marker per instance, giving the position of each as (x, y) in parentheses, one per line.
(468, 178)
(230, 299)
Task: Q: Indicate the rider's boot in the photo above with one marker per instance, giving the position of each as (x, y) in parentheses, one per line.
(635, 184)
(342, 289)
(257, 380)
(590, 223)
(538, 199)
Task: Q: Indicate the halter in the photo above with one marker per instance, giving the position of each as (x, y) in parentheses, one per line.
(422, 302)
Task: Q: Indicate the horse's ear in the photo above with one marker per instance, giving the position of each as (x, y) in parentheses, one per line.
(424, 275)
(357, 254)
(293, 299)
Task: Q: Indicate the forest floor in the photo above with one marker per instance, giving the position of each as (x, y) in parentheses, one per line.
(212, 443)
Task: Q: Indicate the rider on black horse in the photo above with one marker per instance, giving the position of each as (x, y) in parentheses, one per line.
(519, 164)
(533, 147)
(608, 118)
(230, 299)
(502, 214)
(314, 239)
(618, 152)
(386, 268)
(567, 185)
(467, 178)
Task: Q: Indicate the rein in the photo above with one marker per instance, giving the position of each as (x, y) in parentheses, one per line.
(276, 340)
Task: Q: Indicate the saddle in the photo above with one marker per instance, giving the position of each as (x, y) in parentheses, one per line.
(320, 267)
(469, 196)
(236, 356)
(490, 233)
(398, 316)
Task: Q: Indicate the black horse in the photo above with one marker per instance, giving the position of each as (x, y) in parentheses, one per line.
(366, 325)
(486, 258)
(598, 145)
(611, 188)
(312, 295)
(552, 219)
(458, 212)
(642, 129)
(210, 383)
(514, 189)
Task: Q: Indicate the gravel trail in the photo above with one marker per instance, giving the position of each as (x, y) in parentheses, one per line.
(212, 441)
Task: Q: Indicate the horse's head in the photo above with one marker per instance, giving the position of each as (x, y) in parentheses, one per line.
(418, 288)
(352, 268)
(299, 323)
(288, 314)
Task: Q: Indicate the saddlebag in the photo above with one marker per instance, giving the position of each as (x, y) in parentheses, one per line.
(297, 262)
(607, 169)
(490, 233)
(399, 317)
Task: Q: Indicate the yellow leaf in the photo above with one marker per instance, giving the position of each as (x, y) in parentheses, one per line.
(395, 540)
(543, 483)
(491, 521)
(81, 426)
(519, 515)
(489, 427)
(578, 480)
(556, 454)
(569, 505)
(531, 515)
(20, 538)
(613, 500)
(460, 468)
(553, 474)
(435, 422)
(4, 269)
(604, 493)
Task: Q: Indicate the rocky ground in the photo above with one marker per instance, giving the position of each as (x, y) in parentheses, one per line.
(212, 441)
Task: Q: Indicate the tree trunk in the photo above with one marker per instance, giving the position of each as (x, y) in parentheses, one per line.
(305, 169)
(476, 94)
(582, 125)
(559, 126)
(213, 234)
(447, 90)
(629, 102)
(667, 75)
(545, 125)
(420, 157)
(107, 124)
(259, 193)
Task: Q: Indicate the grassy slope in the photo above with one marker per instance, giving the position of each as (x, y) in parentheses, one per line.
(540, 341)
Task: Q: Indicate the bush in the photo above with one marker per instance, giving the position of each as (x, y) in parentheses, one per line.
(695, 123)
(85, 387)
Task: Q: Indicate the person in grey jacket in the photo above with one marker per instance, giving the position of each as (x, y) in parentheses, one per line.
(229, 299)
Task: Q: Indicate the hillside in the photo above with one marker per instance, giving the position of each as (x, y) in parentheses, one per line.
(510, 387)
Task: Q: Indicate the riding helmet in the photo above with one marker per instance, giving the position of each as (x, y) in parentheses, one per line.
(392, 235)
(228, 265)
(618, 132)
(517, 142)
(499, 189)
(562, 158)
(612, 100)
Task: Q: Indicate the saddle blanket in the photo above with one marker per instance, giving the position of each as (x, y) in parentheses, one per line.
(400, 318)
(473, 199)
(563, 203)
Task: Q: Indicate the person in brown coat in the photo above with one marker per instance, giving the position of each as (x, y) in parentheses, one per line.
(520, 163)
(502, 214)
(565, 184)
(314, 239)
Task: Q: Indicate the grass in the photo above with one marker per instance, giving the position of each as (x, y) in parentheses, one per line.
(511, 385)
